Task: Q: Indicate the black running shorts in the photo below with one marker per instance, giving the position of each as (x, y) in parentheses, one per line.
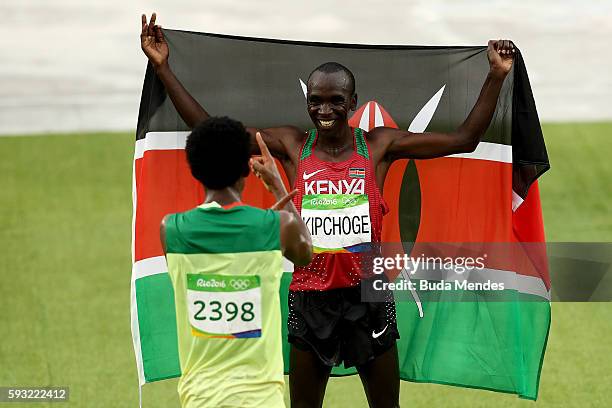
(338, 327)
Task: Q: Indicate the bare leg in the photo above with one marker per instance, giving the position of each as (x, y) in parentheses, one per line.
(380, 378)
(308, 378)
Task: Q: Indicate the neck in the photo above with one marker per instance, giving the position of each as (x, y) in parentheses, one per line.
(336, 141)
(225, 196)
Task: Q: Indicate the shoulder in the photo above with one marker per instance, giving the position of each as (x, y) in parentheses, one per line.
(291, 135)
(291, 138)
(166, 221)
(267, 228)
(379, 139)
(260, 218)
(167, 227)
(171, 224)
(381, 134)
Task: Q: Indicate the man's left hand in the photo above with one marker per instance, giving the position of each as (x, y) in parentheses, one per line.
(501, 55)
(265, 168)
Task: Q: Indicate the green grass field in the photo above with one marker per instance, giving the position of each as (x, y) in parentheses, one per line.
(65, 230)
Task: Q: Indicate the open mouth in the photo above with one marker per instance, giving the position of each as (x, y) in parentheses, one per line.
(327, 123)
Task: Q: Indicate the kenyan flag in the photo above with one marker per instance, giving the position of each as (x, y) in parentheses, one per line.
(487, 196)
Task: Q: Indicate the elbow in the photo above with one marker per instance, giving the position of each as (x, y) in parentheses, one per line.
(304, 254)
(468, 143)
(470, 147)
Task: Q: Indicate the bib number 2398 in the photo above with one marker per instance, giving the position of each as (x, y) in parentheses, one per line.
(226, 306)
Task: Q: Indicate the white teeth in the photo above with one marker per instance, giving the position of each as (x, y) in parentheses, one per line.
(326, 123)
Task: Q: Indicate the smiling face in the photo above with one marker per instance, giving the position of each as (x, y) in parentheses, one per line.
(330, 98)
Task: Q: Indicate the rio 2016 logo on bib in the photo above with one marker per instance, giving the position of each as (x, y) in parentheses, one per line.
(227, 306)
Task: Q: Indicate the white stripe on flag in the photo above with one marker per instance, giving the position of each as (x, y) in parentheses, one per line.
(287, 265)
(160, 141)
(364, 123)
(488, 151)
(141, 269)
(133, 303)
(517, 200)
(304, 88)
(422, 119)
(378, 118)
(148, 267)
(136, 333)
(512, 281)
(176, 140)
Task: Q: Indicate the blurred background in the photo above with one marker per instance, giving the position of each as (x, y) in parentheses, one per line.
(72, 65)
(70, 79)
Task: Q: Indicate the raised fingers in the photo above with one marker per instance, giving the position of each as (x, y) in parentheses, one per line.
(143, 20)
(151, 30)
(283, 201)
(262, 146)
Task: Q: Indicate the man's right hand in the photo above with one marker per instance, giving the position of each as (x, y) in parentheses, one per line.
(153, 43)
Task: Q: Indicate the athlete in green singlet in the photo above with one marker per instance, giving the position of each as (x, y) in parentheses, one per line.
(225, 262)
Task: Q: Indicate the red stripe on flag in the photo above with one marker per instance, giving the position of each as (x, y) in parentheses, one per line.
(528, 226)
(391, 194)
(465, 200)
(164, 185)
(372, 123)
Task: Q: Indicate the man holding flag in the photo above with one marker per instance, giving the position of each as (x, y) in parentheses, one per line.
(339, 173)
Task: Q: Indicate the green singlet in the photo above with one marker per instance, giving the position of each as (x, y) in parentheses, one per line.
(226, 265)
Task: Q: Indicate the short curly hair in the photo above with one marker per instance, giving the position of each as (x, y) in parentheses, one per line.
(218, 152)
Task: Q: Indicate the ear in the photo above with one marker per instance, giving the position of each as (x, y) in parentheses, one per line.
(354, 102)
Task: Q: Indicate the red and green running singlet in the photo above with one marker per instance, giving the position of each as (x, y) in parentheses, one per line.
(343, 210)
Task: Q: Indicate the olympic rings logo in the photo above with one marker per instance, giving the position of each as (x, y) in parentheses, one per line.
(349, 201)
(240, 284)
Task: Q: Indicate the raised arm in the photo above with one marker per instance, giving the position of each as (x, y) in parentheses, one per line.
(391, 144)
(296, 242)
(282, 141)
(156, 49)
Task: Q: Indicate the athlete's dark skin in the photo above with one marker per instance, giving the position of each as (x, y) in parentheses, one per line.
(331, 97)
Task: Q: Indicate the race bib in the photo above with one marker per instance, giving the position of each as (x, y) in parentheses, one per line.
(226, 306)
(337, 222)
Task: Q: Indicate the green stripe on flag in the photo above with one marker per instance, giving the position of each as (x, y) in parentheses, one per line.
(488, 345)
(157, 326)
